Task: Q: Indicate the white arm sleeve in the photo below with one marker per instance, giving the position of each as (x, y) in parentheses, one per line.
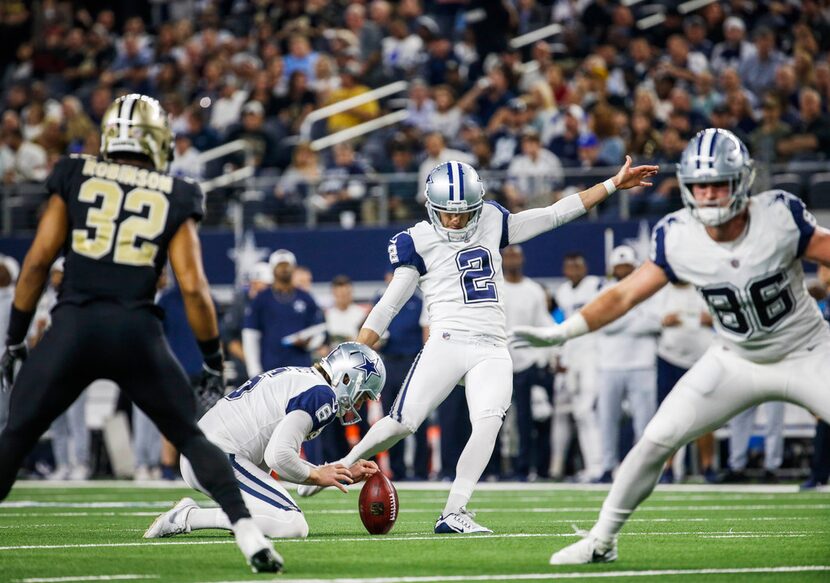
(400, 289)
(527, 224)
(282, 454)
(250, 346)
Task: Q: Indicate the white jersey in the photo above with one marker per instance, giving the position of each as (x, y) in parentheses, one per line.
(684, 344)
(754, 286)
(570, 299)
(244, 420)
(526, 304)
(462, 282)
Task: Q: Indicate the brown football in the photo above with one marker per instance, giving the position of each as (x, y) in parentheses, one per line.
(378, 504)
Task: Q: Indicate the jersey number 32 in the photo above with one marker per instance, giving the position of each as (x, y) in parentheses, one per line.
(107, 198)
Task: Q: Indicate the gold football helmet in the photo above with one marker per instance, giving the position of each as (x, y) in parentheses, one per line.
(137, 124)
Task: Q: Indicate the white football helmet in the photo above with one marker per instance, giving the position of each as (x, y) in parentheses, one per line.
(355, 371)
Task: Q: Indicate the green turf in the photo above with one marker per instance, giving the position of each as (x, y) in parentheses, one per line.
(673, 530)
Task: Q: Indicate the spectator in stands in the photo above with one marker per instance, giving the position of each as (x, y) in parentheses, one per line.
(532, 176)
(601, 121)
(300, 57)
(9, 269)
(811, 136)
(296, 185)
(344, 318)
(349, 87)
(487, 95)
(505, 130)
(757, 71)
(76, 123)
(369, 37)
(227, 108)
(626, 361)
(437, 153)
(734, 49)
(706, 96)
(644, 140)
(399, 169)
(401, 50)
(29, 159)
(447, 116)
(202, 136)
(253, 131)
(786, 89)
(421, 107)
(344, 187)
(296, 104)
(565, 145)
(763, 141)
(682, 63)
(186, 163)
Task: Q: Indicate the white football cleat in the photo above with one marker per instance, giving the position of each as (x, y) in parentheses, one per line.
(307, 490)
(460, 522)
(172, 522)
(588, 550)
(258, 550)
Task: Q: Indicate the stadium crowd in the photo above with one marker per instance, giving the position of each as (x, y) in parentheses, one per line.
(528, 117)
(532, 119)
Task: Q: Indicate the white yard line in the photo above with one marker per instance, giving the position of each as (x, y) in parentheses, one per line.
(436, 486)
(85, 578)
(415, 537)
(557, 576)
(429, 509)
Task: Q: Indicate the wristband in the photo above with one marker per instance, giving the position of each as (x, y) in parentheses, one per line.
(211, 352)
(18, 326)
(575, 326)
(610, 187)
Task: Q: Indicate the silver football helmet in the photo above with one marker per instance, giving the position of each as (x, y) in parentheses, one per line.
(454, 187)
(355, 371)
(716, 155)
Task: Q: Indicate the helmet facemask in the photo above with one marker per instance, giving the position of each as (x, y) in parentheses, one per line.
(454, 188)
(716, 156)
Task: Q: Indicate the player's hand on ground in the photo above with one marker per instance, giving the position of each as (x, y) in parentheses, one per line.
(336, 475)
(629, 177)
(363, 469)
(9, 365)
(530, 336)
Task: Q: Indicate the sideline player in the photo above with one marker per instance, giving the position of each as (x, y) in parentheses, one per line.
(744, 255)
(454, 258)
(263, 423)
(117, 218)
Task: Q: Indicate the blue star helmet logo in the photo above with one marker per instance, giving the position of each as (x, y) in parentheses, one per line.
(369, 367)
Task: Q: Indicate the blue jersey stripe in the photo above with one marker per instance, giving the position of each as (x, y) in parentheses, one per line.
(396, 414)
(257, 481)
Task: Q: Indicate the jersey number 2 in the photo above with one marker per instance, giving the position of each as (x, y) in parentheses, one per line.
(103, 219)
(476, 267)
(769, 296)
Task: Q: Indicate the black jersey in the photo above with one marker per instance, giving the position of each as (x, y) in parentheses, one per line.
(121, 221)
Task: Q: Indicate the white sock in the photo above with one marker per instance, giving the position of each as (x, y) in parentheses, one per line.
(472, 462)
(561, 438)
(636, 478)
(380, 437)
(201, 518)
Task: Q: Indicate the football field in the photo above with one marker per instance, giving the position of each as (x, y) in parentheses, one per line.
(58, 533)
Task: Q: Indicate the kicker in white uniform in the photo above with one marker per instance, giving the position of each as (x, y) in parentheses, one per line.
(454, 258)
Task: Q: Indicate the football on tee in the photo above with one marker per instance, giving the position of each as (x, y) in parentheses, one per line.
(378, 504)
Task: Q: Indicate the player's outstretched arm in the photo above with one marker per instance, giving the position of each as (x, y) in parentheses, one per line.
(818, 249)
(604, 309)
(400, 289)
(530, 223)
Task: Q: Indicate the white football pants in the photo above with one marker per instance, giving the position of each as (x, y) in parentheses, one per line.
(740, 431)
(271, 506)
(639, 388)
(719, 386)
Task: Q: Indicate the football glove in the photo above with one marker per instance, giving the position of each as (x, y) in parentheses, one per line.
(211, 388)
(532, 336)
(10, 364)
